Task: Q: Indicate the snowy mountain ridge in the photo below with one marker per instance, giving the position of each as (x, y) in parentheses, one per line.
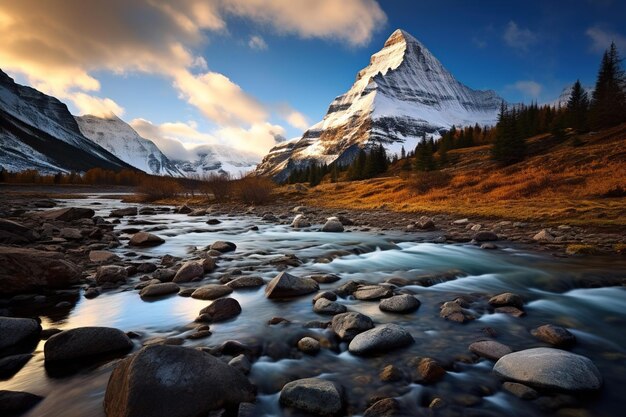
(403, 93)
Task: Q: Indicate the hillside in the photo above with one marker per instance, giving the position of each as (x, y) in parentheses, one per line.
(557, 183)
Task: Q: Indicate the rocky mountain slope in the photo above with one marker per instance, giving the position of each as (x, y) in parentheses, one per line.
(37, 131)
(116, 136)
(403, 92)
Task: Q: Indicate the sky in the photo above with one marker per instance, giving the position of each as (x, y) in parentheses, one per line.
(246, 73)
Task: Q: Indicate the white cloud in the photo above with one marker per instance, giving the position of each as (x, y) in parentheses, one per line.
(58, 45)
(520, 38)
(257, 42)
(601, 39)
(528, 88)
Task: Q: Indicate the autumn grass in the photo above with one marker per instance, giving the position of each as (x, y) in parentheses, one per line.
(557, 183)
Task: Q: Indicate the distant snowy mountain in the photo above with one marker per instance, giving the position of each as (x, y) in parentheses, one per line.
(37, 131)
(217, 159)
(567, 92)
(116, 136)
(403, 92)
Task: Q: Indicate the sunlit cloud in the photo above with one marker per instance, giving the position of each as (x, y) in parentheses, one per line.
(257, 42)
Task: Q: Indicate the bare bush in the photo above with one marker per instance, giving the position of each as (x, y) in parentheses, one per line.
(218, 186)
(157, 188)
(254, 190)
(428, 180)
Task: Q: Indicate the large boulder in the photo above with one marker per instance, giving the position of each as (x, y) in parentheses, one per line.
(550, 368)
(145, 239)
(111, 274)
(189, 271)
(67, 214)
(380, 339)
(17, 332)
(15, 233)
(285, 285)
(313, 395)
(24, 270)
(174, 381)
(85, 343)
(348, 325)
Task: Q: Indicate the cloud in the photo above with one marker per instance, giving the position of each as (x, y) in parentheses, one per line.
(293, 117)
(181, 140)
(531, 89)
(519, 38)
(479, 43)
(59, 46)
(601, 39)
(258, 43)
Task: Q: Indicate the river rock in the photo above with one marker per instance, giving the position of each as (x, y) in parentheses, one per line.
(189, 271)
(173, 381)
(520, 390)
(242, 363)
(145, 239)
(70, 233)
(10, 365)
(85, 343)
(329, 295)
(101, 256)
(544, 236)
(211, 292)
(17, 332)
(24, 269)
(309, 345)
(67, 214)
(300, 222)
(430, 371)
(332, 225)
(127, 211)
(403, 303)
(550, 368)
(554, 335)
(222, 309)
(285, 285)
(208, 264)
(380, 339)
(507, 299)
(387, 407)
(490, 349)
(184, 209)
(246, 282)
(111, 273)
(453, 311)
(223, 247)
(485, 236)
(324, 278)
(164, 275)
(157, 290)
(14, 403)
(313, 395)
(372, 292)
(348, 325)
(325, 306)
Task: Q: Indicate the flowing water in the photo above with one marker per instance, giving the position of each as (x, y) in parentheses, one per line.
(556, 291)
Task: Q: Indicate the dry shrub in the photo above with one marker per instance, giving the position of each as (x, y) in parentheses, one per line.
(254, 190)
(219, 186)
(428, 180)
(157, 188)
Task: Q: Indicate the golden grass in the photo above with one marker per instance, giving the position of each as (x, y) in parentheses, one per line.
(557, 183)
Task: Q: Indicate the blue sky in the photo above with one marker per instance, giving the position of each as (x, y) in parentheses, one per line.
(289, 63)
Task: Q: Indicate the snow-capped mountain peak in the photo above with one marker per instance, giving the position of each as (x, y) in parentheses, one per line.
(123, 141)
(403, 92)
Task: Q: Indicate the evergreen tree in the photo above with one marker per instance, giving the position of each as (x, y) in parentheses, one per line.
(509, 145)
(608, 104)
(577, 108)
(402, 153)
(424, 158)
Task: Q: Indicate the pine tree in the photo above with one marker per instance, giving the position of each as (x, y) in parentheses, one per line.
(509, 145)
(608, 104)
(402, 153)
(424, 159)
(577, 108)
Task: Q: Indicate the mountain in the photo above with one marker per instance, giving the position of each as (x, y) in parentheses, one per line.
(567, 92)
(403, 92)
(216, 159)
(37, 131)
(116, 136)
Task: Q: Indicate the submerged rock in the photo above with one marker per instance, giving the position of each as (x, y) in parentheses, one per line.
(285, 285)
(313, 395)
(550, 368)
(309, 345)
(380, 339)
(554, 335)
(507, 299)
(490, 349)
(221, 309)
(223, 247)
(174, 381)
